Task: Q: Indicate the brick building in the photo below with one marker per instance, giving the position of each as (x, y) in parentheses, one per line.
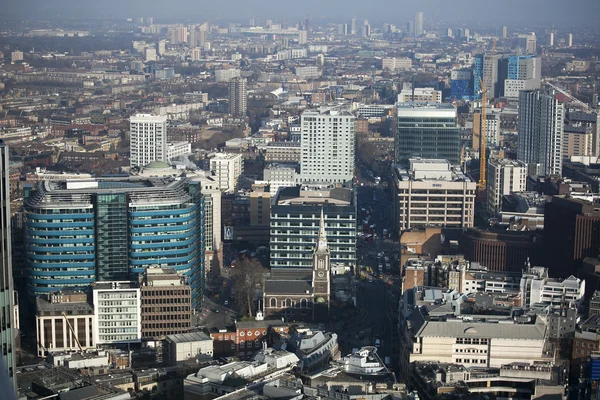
(166, 303)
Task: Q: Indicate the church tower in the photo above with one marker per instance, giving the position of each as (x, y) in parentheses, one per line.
(321, 273)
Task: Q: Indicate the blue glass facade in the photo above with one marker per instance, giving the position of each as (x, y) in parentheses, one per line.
(461, 89)
(513, 65)
(114, 231)
(477, 75)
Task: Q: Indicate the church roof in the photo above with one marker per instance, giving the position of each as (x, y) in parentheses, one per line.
(283, 287)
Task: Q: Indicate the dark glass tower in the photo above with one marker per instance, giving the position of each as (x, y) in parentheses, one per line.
(7, 331)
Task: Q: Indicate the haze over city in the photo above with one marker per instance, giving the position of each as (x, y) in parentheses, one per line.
(505, 12)
(270, 200)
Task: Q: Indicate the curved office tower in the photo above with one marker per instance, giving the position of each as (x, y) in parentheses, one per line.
(81, 232)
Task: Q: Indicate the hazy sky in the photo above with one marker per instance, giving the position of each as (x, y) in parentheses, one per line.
(393, 11)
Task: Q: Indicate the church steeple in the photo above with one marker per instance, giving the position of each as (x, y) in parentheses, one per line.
(322, 238)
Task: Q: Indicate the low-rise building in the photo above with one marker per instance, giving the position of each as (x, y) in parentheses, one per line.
(283, 152)
(64, 322)
(185, 346)
(480, 344)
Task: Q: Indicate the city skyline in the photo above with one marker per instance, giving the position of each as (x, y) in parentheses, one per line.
(555, 11)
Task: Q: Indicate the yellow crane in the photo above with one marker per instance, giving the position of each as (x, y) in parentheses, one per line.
(481, 185)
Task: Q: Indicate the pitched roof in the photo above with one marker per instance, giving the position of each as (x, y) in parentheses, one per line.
(461, 329)
(287, 287)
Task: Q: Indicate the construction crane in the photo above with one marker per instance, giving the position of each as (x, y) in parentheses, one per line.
(72, 332)
(481, 185)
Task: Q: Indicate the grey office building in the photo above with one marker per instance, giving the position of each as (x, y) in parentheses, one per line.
(541, 129)
(7, 325)
(426, 130)
(295, 216)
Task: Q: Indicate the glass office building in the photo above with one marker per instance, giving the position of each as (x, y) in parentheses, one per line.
(7, 320)
(294, 224)
(86, 231)
(427, 130)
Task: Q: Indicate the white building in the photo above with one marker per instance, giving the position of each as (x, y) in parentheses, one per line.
(479, 344)
(433, 193)
(177, 149)
(180, 111)
(227, 169)
(395, 64)
(528, 76)
(373, 110)
(225, 75)
(504, 177)
(536, 287)
(117, 312)
(425, 95)
(308, 72)
(150, 54)
(148, 139)
(184, 346)
(362, 362)
(327, 145)
(280, 175)
(53, 332)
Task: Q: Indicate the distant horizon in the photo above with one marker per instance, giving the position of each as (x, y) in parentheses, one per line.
(519, 12)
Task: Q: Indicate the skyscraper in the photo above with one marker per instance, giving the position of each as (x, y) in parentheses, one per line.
(569, 40)
(419, 24)
(504, 32)
(7, 332)
(112, 229)
(238, 96)
(327, 144)
(541, 127)
(148, 139)
(353, 27)
(427, 130)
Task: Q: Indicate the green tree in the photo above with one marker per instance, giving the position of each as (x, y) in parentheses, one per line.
(248, 276)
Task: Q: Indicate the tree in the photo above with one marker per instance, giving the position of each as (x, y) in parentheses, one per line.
(247, 277)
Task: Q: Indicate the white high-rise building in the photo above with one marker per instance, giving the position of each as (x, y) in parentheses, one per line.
(419, 24)
(541, 128)
(148, 139)
(327, 145)
(569, 40)
(504, 177)
(117, 311)
(227, 168)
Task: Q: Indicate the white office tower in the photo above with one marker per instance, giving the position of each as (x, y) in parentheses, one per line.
(327, 144)
(504, 177)
(569, 40)
(541, 127)
(238, 96)
(148, 139)
(419, 24)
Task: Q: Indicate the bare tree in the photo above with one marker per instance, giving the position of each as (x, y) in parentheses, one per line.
(247, 278)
